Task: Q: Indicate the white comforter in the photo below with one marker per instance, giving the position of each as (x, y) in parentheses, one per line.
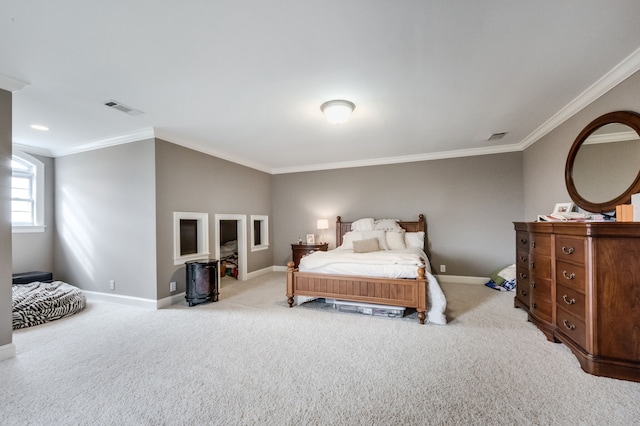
(384, 264)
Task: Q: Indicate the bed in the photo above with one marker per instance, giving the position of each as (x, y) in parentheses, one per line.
(39, 302)
(353, 274)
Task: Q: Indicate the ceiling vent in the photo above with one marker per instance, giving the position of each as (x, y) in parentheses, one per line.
(121, 107)
(496, 136)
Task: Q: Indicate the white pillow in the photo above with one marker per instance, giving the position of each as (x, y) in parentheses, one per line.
(395, 240)
(349, 237)
(380, 235)
(387, 224)
(363, 225)
(414, 239)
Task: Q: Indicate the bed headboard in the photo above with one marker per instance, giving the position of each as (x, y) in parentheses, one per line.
(417, 226)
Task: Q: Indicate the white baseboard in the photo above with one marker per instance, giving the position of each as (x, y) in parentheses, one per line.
(260, 272)
(7, 351)
(122, 300)
(462, 279)
(171, 300)
(179, 297)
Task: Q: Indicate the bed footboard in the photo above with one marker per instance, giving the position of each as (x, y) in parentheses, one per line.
(410, 293)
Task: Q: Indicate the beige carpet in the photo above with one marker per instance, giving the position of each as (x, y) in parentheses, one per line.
(249, 359)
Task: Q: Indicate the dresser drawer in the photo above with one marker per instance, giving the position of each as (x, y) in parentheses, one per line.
(522, 258)
(522, 274)
(570, 249)
(570, 275)
(570, 300)
(540, 287)
(522, 241)
(571, 326)
(540, 266)
(522, 284)
(540, 307)
(540, 244)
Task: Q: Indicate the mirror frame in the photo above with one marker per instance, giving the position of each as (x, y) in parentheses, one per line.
(628, 118)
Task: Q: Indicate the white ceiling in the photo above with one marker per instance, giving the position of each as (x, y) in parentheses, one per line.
(244, 80)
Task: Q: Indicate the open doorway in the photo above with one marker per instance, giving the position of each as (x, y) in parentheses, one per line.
(230, 240)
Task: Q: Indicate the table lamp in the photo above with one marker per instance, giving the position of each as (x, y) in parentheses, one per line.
(322, 225)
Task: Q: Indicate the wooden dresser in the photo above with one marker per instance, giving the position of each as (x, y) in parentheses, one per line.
(584, 290)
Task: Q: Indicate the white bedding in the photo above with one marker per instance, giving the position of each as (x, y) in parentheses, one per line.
(384, 264)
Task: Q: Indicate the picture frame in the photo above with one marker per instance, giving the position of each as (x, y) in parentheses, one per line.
(563, 208)
(311, 239)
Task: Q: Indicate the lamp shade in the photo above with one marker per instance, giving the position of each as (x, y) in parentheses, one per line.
(323, 224)
(337, 111)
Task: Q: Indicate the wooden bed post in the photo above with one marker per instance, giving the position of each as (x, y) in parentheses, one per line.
(290, 270)
(422, 295)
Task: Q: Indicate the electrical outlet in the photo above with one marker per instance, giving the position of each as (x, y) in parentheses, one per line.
(112, 285)
(443, 268)
(172, 286)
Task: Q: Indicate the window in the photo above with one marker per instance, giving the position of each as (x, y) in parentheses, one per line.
(27, 193)
(259, 232)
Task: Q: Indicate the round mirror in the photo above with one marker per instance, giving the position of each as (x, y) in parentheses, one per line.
(603, 166)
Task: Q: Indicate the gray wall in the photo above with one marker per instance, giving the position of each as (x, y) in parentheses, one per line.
(190, 181)
(34, 251)
(5, 218)
(469, 204)
(105, 219)
(544, 161)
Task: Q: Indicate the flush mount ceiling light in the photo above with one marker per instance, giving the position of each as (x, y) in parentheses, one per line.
(337, 111)
(39, 127)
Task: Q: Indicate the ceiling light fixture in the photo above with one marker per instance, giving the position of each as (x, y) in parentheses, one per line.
(39, 127)
(337, 111)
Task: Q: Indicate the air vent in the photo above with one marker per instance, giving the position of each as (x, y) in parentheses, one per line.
(121, 107)
(496, 136)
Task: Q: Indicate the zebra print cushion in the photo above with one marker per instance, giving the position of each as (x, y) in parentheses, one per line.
(37, 303)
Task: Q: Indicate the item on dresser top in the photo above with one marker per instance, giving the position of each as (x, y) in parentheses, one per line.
(399, 277)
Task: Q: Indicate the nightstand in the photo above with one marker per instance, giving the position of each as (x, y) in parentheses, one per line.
(299, 250)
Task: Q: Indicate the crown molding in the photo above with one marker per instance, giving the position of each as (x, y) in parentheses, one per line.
(103, 143)
(32, 150)
(196, 146)
(472, 152)
(11, 84)
(617, 75)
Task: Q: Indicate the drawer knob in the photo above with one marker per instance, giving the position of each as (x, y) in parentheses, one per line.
(533, 305)
(533, 284)
(567, 301)
(568, 277)
(522, 292)
(523, 275)
(568, 326)
(566, 250)
(523, 241)
(533, 244)
(523, 258)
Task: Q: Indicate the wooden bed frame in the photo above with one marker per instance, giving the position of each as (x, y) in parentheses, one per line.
(410, 293)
